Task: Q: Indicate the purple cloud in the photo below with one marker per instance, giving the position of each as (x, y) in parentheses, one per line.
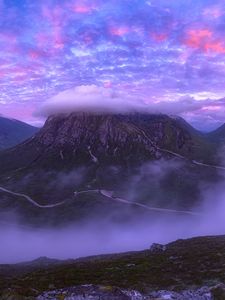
(156, 51)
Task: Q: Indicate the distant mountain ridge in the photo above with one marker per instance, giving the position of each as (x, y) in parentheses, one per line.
(13, 132)
(218, 135)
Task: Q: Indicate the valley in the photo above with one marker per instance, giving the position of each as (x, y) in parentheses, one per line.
(47, 169)
(111, 183)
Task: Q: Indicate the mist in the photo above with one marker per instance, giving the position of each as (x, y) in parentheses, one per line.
(20, 243)
(104, 234)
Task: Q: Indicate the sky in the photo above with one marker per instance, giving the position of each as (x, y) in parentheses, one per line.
(168, 55)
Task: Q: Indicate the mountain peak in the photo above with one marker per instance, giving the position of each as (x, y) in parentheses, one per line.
(110, 135)
(103, 135)
(84, 138)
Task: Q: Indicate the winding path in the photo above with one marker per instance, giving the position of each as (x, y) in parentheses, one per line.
(29, 199)
(181, 156)
(206, 165)
(109, 194)
(105, 193)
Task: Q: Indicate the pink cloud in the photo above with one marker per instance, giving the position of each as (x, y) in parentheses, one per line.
(56, 18)
(119, 30)
(17, 111)
(83, 7)
(215, 46)
(212, 108)
(196, 38)
(203, 39)
(107, 84)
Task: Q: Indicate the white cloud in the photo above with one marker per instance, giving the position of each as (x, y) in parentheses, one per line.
(100, 100)
(91, 99)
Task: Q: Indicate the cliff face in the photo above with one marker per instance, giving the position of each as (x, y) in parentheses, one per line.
(122, 139)
(115, 137)
(96, 137)
(77, 129)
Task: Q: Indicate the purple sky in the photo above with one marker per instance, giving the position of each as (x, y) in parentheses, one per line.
(169, 54)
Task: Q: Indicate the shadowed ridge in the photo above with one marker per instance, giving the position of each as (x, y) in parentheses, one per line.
(13, 132)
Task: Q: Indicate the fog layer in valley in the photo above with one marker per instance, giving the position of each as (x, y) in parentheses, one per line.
(19, 243)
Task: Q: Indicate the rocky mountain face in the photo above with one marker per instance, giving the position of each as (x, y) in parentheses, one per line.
(82, 138)
(127, 136)
(95, 138)
(13, 132)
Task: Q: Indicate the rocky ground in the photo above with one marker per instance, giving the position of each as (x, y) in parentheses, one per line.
(183, 270)
(109, 293)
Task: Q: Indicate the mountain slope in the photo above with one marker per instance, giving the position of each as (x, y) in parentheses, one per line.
(80, 138)
(13, 132)
(143, 158)
(218, 135)
(181, 265)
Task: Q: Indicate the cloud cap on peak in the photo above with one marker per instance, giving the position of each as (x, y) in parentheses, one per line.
(106, 100)
(91, 99)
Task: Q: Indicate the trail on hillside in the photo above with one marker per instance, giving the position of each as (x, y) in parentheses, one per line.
(105, 193)
(181, 156)
(29, 199)
(109, 194)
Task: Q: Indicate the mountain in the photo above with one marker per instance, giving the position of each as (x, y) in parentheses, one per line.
(143, 158)
(218, 135)
(182, 270)
(13, 132)
(82, 138)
